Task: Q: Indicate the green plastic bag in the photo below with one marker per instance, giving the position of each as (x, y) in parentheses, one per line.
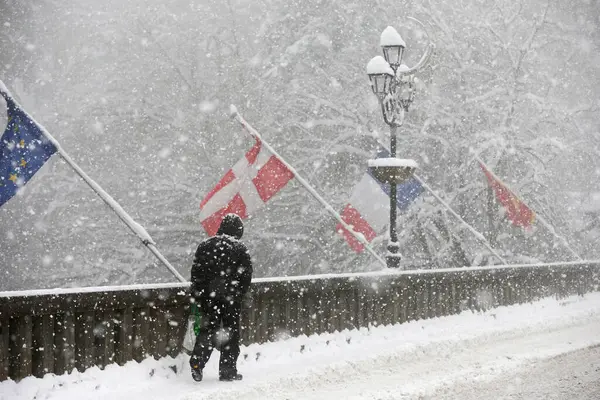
(197, 319)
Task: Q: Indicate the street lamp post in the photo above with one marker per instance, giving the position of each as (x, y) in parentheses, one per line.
(394, 85)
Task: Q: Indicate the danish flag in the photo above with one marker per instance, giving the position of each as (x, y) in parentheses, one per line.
(246, 187)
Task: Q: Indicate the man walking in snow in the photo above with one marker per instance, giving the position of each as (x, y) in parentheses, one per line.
(221, 275)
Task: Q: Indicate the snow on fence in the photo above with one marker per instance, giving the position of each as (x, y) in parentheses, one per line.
(54, 331)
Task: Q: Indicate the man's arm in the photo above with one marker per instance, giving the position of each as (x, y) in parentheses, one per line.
(245, 265)
(200, 272)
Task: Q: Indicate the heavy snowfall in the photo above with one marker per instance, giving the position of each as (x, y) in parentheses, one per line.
(138, 93)
(141, 94)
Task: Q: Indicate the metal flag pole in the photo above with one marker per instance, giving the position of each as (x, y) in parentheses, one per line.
(238, 117)
(136, 228)
(475, 233)
(538, 217)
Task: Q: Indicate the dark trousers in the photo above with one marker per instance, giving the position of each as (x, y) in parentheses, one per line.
(214, 314)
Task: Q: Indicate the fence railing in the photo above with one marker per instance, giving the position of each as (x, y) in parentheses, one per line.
(54, 331)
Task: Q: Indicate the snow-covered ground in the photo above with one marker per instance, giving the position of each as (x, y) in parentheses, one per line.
(534, 351)
(573, 375)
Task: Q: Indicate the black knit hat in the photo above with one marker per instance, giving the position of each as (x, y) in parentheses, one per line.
(231, 225)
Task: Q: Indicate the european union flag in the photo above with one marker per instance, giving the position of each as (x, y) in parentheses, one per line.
(23, 150)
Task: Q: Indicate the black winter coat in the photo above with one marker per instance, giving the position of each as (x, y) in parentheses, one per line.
(222, 268)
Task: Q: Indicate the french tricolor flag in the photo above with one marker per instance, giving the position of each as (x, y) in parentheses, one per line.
(367, 212)
(246, 187)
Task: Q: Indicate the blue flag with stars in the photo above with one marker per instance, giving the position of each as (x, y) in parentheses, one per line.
(23, 150)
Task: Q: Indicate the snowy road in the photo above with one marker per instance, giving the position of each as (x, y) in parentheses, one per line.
(574, 375)
(543, 350)
(465, 370)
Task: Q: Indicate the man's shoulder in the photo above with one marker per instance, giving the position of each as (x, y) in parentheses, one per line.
(237, 243)
(208, 243)
(222, 241)
(241, 249)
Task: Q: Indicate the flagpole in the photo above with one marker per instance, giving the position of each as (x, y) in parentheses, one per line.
(238, 117)
(475, 233)
(136, 228)
(538, 216)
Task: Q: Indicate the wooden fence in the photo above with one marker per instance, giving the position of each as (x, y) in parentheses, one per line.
(55, 331)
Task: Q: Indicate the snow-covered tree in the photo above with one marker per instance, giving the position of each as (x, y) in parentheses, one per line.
(138, 92)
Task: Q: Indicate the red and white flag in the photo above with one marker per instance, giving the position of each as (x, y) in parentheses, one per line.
(516, 210)
(246, 187)
(367, 211)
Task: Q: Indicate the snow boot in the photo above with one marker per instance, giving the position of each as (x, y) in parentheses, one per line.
(197, 374)
(230, 377)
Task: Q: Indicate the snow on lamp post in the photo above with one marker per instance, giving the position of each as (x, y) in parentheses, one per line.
(394, 85)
